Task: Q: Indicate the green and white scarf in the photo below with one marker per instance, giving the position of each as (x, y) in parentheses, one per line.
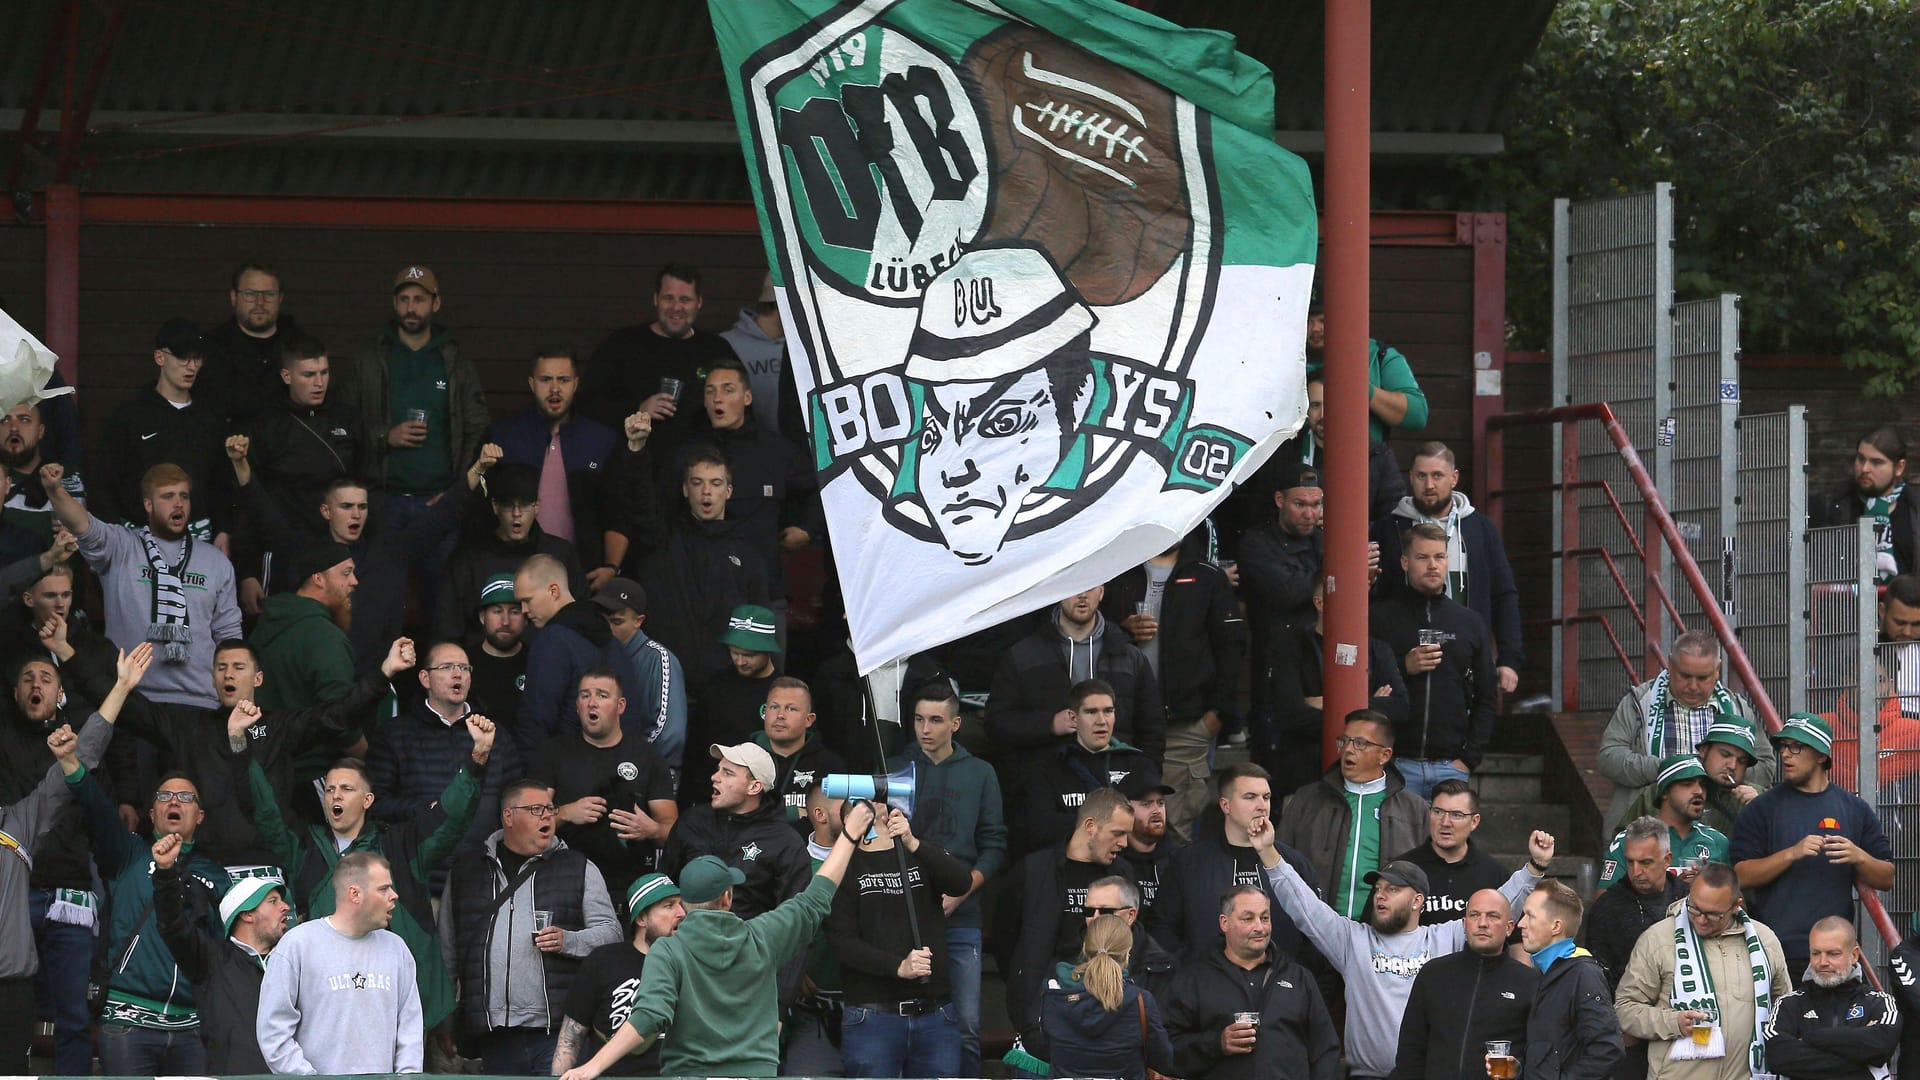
(1693, 982)
(1660, 705)
(1880, 508)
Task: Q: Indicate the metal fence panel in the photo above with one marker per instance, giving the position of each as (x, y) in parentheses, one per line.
(1839, 611)
(1706, 452)
(1896, 701)
(1770, 553)
(1613, 288)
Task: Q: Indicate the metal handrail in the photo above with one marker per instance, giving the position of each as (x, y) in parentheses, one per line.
(1662, 518)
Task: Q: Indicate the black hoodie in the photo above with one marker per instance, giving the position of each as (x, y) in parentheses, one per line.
(758, 843)
(699, 572)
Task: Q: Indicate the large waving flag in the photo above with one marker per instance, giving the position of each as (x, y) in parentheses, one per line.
(1045, 279)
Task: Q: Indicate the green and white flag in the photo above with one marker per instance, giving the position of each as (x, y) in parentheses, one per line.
(1044, 275)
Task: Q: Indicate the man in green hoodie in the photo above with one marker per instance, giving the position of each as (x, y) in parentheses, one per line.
(713, 981)
(413, 848)
(301, 636)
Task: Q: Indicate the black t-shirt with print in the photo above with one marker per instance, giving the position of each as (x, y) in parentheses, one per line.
(604, 991)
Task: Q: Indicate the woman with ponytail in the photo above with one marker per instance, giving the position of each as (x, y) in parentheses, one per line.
(1097, 1022)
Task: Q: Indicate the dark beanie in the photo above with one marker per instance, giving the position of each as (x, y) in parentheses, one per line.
(317, 558)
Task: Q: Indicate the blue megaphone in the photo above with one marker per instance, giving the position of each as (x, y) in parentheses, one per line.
(894, 789)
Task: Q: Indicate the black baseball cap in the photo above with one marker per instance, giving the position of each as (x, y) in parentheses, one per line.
(1400, 872)
(1143, 782)
(181, 338)
(621, 594)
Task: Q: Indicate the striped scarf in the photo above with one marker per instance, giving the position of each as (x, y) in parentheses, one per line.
(1693, 982)
(1660, 706)
(168, 625)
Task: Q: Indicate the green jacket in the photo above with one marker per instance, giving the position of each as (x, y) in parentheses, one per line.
(712, 983)
(1387, 369)
(413, 848)
(144, 984)
(309, 658)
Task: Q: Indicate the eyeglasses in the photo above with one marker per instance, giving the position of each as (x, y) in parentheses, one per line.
(1707, 916)
(464, 669)
(258, 294)
(1451, 815)
(1091, 912)
(186, 797)
(537, 810)
(1359, 743)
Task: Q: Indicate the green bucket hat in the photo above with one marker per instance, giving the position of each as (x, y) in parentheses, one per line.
(1808, 730)
(750, 628)
(1675, 768)
(1736, 731)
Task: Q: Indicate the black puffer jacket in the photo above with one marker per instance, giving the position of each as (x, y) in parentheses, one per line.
(1458, 1002)
(1031, 682)
(1297, 1039)
(1449, 709)
(226, 978)
(1203, 639)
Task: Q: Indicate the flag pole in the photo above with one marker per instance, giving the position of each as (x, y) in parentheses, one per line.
(1348, 209)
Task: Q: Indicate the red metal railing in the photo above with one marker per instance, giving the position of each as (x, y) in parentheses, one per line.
(1660, 525)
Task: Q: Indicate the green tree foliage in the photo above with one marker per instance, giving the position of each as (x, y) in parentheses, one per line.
(1788, 128)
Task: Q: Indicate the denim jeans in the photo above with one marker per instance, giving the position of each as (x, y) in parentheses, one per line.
(875, 1043)
(66, 960)
(963, 973)
(1422, 775)
(517, 1052)
(401, 510)
(136, 1051)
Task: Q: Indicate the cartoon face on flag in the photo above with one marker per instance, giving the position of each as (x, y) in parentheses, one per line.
(1002, 268)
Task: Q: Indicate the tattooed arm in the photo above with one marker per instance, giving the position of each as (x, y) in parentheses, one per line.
(566, 1052)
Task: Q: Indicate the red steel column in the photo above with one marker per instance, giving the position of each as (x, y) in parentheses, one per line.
(1349, 122)
(63, 278)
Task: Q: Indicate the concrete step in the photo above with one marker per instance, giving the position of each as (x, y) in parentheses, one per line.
(1505, 827)
(1511, 765)
(1578, 871)
(1507, 787)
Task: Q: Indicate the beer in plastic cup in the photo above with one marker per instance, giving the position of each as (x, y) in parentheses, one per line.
(1702, 1033)
(1501, 1064)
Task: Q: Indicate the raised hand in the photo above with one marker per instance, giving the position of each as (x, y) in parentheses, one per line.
(61, 549)
(1540, 848)
(638, 427)
(237, 447)
(400, 657)
(51, 474)
(166, 851)
(131, 667)
(65, 746)
(481, 730)
(53, 631)
(245, 714)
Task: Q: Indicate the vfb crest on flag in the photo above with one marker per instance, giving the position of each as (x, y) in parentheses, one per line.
(1000, 255)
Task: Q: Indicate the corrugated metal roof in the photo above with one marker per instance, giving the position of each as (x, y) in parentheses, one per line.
(221, 95)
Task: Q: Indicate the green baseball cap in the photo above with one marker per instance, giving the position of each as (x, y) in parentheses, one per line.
(1675, 768)
(1808, 730)
(1736, 731)
(750, 628)
(704, 879)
